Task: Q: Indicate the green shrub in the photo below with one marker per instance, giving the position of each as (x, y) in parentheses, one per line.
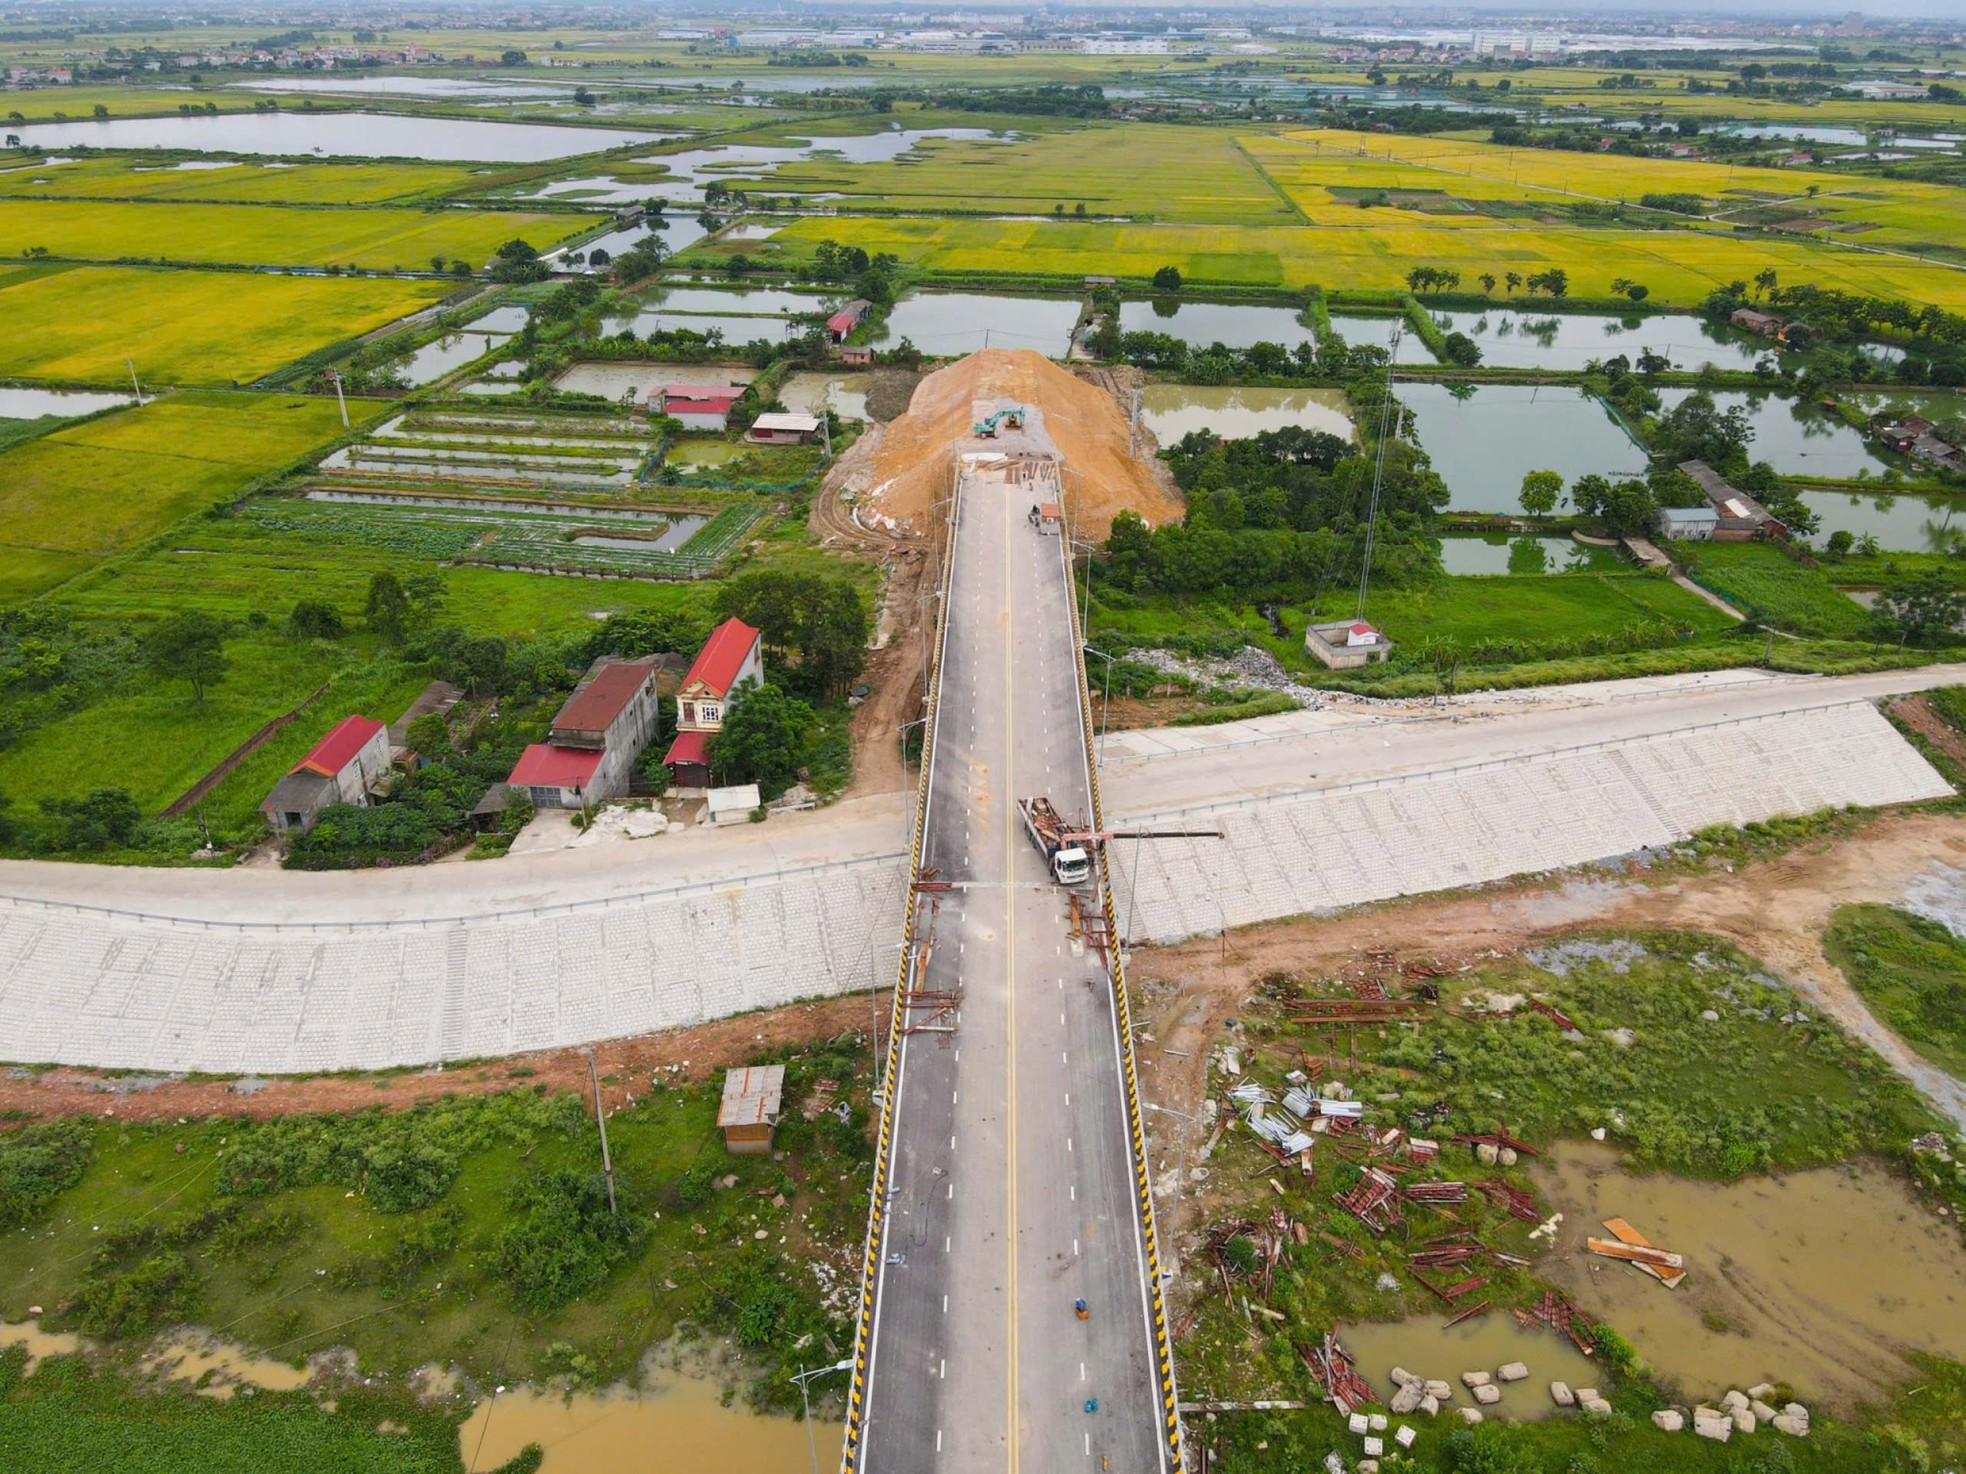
(564, 1242)
(114, 1304)
(38, 1163)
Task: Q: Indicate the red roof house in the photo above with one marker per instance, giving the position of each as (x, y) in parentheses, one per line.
(590, 751)
(733, 656)
(697, 406)
(339, 769)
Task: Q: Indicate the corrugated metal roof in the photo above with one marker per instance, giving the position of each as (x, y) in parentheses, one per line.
(337, 749)
(604, 698)
(544, 766)
(753, 1096)
(722, 656)
(689, 747)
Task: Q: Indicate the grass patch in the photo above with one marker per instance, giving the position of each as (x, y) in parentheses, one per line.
(1767, 585)
(462, 1230)
(243, 182)
(186, 327)
(1911, 972)
(99, 487)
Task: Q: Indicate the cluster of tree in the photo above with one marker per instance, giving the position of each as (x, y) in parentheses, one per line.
(1677, 202)
(517, 262)
(1280, 516)
(875, 277)
(1218, 363)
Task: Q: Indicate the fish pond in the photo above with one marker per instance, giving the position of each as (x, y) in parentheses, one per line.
(1484, 439)
(1568, 341)
(1171, 411)
(1796, 439)
(950, 324)
(1485, 555)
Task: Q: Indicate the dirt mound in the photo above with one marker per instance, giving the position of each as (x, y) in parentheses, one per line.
(911, 466)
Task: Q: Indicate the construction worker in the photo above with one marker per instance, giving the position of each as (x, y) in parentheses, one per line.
(1079, 1309)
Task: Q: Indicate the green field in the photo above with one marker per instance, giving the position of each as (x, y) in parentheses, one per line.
(90, 491)
(1766, 584)
(242, 182)
(81, 324)
(267, 235)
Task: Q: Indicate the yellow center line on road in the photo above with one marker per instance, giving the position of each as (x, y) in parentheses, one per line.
(1010, 991)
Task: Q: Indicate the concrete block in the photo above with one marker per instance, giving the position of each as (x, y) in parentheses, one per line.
(1439, 1389)
(1743, 1420)
(1404, 1436)
(1476, 1379)
(1718, 1429)
(1561, 1395)
(1763, 1413)
(1402, 1377)
(1670, 1419)
(1734, 1401)
(1796, 1410)
(1407, 1399)
(1487, 1394)
(1469, 1414)
(1358, 1423)
(1585, 1394)
(1374, 1447)
(1515, 1371)
(1761, 1391)
(1376, 1421)
(1793, 1426)
(1597, 1407)
(1430, 1405)
(1710, 1414)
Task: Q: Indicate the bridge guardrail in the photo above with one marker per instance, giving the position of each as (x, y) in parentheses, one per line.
(1136, 1132)
(853, 1448)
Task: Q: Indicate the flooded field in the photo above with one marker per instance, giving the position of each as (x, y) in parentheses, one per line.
(734, 329)
(441, 356)
(682, 1424)
(949, 324)
(217, 1369)
(1429, 1347)
(1174, 410)
(1483, 442)
(679, 232)
(339, 135)
(1817, 1279)
(615, 380)
(1797, 440)
(1363, 331)
(1497, 553)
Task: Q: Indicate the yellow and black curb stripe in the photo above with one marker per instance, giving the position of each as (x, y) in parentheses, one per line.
(1137, 1137)
(870, 1269)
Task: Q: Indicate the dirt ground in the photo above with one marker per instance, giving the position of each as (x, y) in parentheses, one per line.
(625, 1066)
(1776, 910)
(1916, 712)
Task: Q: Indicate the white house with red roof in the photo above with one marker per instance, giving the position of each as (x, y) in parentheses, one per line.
(589, 753)
(697, 406)
(342, 768)
(733, 656)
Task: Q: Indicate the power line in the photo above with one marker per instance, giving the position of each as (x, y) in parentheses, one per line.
(1378, 467)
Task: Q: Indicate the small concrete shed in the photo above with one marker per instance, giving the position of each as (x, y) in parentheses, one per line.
(753, 1097)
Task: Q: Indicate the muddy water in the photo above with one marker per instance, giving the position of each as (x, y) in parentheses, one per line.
(1432, 1348)
(228, 1367)
(681, 1425)
(1818, 1277)
(39, 1343)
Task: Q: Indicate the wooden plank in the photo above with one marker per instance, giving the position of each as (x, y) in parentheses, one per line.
(1635, 1254)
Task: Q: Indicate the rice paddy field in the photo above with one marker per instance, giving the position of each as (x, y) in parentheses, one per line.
(1371, 253)
(267, 235)
(92, 490)
(81, 324)
(238, 181)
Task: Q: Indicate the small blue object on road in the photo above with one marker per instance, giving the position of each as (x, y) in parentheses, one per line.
(1092, 1404)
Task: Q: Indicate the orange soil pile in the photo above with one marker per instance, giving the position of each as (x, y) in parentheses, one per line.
(911, 466)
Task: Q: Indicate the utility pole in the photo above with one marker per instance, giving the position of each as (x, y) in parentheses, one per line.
(334, 378)
(138, 388)
(802, 1378)
(601, 1120)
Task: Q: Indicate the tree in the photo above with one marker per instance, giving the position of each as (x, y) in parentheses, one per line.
(1555, 281)
(314, 619)
(189, 644)
(763, 738)
(511, 58)
(1167, 279)
(517, 261)
(1460, 349)
(101, 112)
(108, 816)
(1541, 491)
(1840, 543)
(1624, 507)
(1487, 280)
(814, 627)
(429, 736)
(1924, 609)
(388, 608)
(1512, 280)
(1638, 291)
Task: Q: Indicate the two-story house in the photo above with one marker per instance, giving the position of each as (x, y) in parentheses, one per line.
(731, 657)
(589, 753)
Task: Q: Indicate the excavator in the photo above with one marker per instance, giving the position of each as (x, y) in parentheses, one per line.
(1008, 419)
